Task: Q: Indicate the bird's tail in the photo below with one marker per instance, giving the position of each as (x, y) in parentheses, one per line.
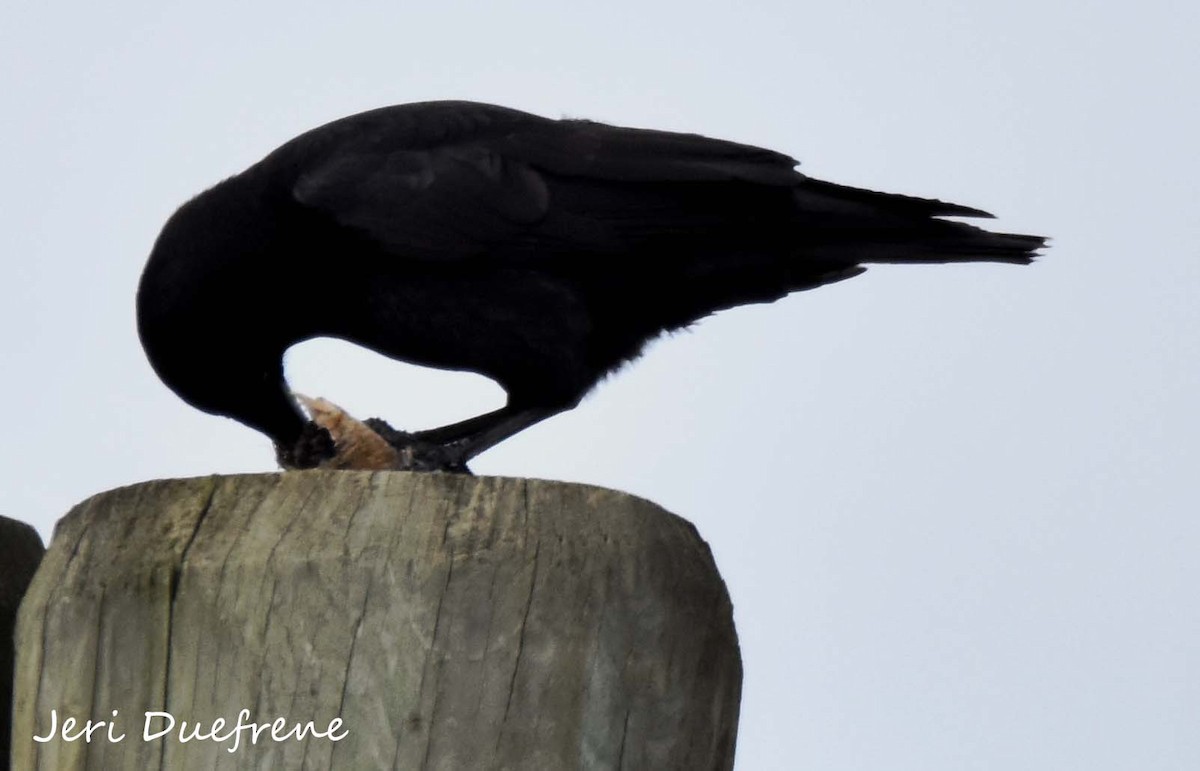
(847, 225)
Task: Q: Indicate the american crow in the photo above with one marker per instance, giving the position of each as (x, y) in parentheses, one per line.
(540, 253)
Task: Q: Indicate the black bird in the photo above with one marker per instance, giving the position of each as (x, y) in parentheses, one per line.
(540, 253)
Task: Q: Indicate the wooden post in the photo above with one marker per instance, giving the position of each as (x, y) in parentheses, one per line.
(447, 622)
(20, 552)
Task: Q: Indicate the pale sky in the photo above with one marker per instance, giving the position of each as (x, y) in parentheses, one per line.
(956, 507)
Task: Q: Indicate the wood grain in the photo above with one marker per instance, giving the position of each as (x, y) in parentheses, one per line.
(451, 622)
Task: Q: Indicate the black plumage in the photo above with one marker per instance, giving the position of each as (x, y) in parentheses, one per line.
(540, 253)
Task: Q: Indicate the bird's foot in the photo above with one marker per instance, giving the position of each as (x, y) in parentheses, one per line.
(414, 454)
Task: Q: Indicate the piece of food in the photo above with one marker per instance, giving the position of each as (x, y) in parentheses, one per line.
(356, 446)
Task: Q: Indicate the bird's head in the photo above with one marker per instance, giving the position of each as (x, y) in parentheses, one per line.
(210, 313)
(235, 380)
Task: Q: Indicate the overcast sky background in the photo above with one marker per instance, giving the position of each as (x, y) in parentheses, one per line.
(956, 507)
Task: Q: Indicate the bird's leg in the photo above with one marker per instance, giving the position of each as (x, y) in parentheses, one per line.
(462, 429)
(500, 425)
(449, 448)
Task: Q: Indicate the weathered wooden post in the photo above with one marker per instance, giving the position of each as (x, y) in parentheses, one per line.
(416, 621)
(20, 552)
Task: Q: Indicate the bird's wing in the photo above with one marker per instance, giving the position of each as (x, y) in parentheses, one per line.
(441, 203)
(455, 183)
(597, 151)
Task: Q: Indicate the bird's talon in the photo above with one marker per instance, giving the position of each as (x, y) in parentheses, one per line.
(413, 454)
(416, 455)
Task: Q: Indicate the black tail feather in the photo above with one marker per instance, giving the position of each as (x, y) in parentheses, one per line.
(891, 202)
(849, 225)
